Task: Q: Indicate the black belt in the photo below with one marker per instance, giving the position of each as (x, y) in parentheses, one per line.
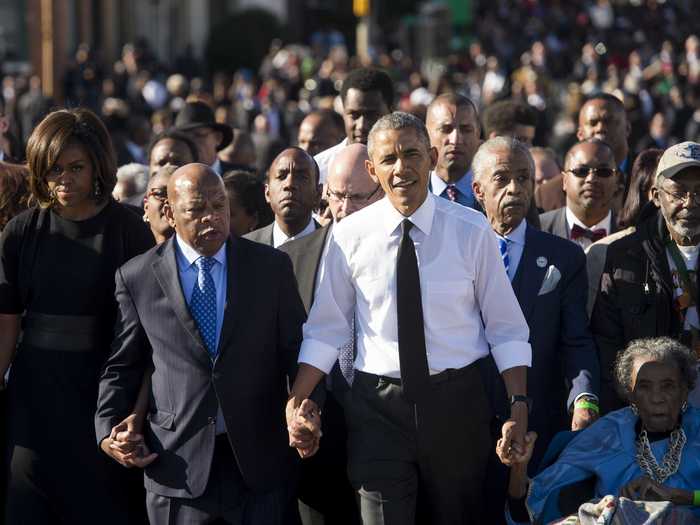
(448, 374)
(75, 333)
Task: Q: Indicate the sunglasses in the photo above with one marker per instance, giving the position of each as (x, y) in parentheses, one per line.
(582, 172)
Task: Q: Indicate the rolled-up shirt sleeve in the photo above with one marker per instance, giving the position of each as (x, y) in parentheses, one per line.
(329, 324)
(504, 324)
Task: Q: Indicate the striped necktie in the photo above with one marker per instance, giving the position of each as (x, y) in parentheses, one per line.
(503, 245)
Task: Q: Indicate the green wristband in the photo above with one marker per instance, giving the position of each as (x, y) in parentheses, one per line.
(696, 498)
(587, 404)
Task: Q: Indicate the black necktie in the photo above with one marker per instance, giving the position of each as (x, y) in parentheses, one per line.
(415, 378)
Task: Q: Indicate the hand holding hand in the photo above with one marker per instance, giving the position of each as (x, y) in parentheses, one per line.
(126, 446)
(304, 427)
(645, 489)
(509, 452)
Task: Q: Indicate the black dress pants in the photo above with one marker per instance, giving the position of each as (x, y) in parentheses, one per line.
(423, 462)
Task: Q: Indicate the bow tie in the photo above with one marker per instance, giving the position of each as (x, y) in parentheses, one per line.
(594, 235)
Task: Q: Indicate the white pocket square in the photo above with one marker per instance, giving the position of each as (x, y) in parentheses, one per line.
(551, 279)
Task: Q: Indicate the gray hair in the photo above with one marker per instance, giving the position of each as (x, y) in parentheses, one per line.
(399, 120)
(483, 159)
(138, 173)
(663, 349)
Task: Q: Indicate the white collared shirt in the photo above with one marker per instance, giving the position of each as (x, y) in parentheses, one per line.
(462, 283)
(217, 166)
(516, 246)
(585, 242)
(279, 237)
(325, 158)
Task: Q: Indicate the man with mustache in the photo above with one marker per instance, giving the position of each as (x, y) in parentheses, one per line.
(366, 94)
(591, 185)
(215, 323)
(649, 284)
(548, 276)
(293, 191)
(423, 279)
(454, 130)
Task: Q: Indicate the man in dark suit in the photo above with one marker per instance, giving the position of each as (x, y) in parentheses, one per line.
(293, 191)
(549, 277)
(326, 496)
(196, 119)
(215, 324)
(591, 184)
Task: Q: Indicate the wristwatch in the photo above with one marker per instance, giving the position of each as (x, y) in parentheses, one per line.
(522, 399)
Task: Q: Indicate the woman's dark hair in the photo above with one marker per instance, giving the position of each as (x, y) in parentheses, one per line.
(173, 135)
(14, 191)
(249, 193)
(662, 349)
(53, 134)
(641, 180)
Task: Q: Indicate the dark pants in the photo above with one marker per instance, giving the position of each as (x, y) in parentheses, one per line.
(325, 494)
(424, 462)
(226, 499)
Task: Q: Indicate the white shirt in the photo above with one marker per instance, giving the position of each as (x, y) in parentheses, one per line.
(516, 246)
(279, 237)
(217, 166)
(462, 282)
(325, 158)
(585, 242)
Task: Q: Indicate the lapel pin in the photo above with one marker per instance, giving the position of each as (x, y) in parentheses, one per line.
(541, 262)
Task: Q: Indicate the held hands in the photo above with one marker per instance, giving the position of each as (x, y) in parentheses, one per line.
(512, 442)
(304, 426)
(126, 445)
(511, 452)
(645, 489)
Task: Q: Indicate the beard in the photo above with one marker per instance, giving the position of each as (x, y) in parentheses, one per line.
(688, 232)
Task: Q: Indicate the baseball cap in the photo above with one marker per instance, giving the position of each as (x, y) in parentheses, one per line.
(677, 158)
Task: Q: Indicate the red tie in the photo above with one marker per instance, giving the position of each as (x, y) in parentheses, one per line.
(452, 192)
(594, 235)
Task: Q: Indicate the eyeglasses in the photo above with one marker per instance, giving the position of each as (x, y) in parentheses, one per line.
(351, 197)
(682, 196)
(160, 194)
(582, 172)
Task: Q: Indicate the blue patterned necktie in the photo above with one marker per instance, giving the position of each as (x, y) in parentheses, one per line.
(203, 304)
(503, 245)
(346, 359)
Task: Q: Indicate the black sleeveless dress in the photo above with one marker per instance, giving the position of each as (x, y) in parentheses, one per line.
(59, 275)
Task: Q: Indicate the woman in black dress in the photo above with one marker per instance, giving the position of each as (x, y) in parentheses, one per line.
(57, 265)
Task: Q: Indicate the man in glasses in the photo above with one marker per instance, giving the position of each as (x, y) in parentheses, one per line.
(591, 184)
(649, 285)
(325, 493)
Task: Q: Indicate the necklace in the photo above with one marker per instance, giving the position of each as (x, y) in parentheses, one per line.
(671, 460)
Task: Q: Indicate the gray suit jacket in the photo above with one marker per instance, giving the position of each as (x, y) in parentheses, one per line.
(262, 235)
(258, 350)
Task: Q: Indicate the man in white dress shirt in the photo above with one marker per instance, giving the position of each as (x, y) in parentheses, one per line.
(424, 280)
(367, 94)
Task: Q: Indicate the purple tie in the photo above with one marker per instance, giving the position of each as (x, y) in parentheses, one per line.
(452, 192)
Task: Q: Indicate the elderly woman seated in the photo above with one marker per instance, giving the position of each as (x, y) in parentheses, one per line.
(648, 451)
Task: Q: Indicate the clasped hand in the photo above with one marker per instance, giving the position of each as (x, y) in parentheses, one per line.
(304, 427)
(127, 446)
(646, 489)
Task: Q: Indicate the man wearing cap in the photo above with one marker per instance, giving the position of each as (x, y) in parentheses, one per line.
(649, 284)
(196, 119)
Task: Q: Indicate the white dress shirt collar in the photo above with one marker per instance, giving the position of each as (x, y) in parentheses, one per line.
(605, 224)
(191, 255)
(421, 218)
(217, 166)
(279, 237)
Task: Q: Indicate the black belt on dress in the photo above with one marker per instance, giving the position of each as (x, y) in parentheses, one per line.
(67, 333)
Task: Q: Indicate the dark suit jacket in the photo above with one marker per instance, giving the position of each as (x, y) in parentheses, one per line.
(305, 254)
(264, 234)
(564, 358)
(258, 351)
(554, 222)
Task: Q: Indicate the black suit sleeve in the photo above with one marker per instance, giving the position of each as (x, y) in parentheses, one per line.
(124, 370)
(581, 367)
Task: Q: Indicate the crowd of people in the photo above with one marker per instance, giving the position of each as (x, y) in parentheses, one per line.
(328, 292)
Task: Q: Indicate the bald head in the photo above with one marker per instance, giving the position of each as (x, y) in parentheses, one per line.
(349, 186)
(198, 208)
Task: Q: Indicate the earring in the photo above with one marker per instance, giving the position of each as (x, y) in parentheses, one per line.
(635, 411)
(97, 189)
(684, 406)
(145, 218)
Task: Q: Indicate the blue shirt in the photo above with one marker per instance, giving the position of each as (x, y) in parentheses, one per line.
(465, 196)
(516, 245)
(186, 256)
